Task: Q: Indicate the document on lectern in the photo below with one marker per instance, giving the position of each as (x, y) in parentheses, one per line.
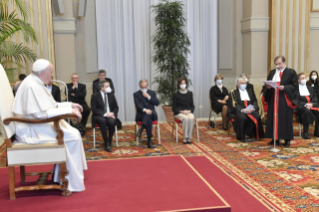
(271, 83)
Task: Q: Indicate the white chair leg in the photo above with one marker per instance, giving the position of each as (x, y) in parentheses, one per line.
(215, 116)
(116, 139)
(158, 134)
(94, 137)
(136, 130)
(197, 131)
(176, 126)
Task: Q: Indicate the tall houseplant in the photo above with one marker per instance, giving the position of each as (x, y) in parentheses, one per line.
(171, 46)
(12, 53)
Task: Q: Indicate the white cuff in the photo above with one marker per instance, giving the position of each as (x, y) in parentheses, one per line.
(59, 111)
(64, 104)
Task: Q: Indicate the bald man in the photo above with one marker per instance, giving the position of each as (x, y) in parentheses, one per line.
(34, 101)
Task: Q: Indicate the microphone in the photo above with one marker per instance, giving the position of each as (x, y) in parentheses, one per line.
(66, 88)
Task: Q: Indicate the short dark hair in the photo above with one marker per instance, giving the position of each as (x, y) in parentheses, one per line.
(22, 76)
(300, 75)
(101, 83)
(283, 59)
(102, 71)
(179, 82)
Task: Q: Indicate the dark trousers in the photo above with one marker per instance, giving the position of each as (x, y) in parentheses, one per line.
(85, 114)
(308, 117)
(147, 123)
(106, 123)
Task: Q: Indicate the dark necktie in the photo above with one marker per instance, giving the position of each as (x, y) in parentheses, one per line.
(105, 102)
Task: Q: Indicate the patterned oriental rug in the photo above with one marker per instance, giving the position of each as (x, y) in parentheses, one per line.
(286, 181)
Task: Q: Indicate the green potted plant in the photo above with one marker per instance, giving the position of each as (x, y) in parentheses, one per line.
(171, 46)
(12, 53)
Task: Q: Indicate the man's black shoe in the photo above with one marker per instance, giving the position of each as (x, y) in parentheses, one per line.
(243, 140)
(305, 135)
(108, 148)
(150, 145)
(272, 142)
(287, 143)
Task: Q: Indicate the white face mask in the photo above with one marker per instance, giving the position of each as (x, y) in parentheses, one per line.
(243, 86)
(108, 90)
(277, 67)
(182, 86)
(219, 82)
(314, 77)
(303, 82)
(144, 90)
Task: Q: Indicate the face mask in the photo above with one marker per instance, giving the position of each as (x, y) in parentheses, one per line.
(243, 86)
(144, 90)
(182, 86)
(108, 90)
(277, 67)
(303, 82)
(219, 82)
(314, 77)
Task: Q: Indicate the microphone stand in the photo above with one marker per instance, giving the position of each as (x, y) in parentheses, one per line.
(275, 117)
(66, 90)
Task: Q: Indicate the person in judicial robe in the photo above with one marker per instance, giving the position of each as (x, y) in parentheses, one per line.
(219, 96)
(105, 109)
(40, 104)
(102, 76)
(247, 120)
(308, 110)
(77, 93)
(287, 81)
(145, 101)
(249, 85)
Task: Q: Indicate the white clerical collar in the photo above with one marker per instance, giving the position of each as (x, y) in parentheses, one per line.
(303, 90)
(37, 79)
(243, 95)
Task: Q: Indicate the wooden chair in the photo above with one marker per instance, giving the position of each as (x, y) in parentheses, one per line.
(26, 154)
(175, 125)
(157, 129)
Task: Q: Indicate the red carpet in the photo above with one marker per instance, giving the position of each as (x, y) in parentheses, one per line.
(234, 194)
(141, 184)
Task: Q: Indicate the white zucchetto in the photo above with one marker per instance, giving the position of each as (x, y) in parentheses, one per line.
(40, 65)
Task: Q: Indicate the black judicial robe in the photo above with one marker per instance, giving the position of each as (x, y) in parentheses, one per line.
(215, 95)
(243, 124)
(306, 116)
(289, 80)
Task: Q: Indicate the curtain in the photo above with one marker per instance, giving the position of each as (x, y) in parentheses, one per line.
(124, 32)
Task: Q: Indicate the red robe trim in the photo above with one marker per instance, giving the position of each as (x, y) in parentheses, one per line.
(254, 120)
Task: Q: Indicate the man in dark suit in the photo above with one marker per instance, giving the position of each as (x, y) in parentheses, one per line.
(145, 100)
(105, 109)
(102, 76)
(308, 107)
(244, 107)
(55, 91)
(77, 93)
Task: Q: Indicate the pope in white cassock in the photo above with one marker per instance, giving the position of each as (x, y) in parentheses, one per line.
(34, 101)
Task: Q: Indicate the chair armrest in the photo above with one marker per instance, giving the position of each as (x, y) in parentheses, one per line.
(38, 121)
(55, 119)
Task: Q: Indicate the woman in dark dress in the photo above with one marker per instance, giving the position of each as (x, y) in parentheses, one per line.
(183, 108)
(219, 96)
(314, 82)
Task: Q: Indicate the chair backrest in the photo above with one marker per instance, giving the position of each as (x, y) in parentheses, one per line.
(6, 103)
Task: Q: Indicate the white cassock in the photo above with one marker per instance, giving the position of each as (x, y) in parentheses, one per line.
(34, 101)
